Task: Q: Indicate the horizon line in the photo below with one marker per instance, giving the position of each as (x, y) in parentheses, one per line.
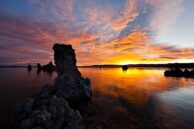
(34, 64)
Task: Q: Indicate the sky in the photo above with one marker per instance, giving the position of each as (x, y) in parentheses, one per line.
(100, 31)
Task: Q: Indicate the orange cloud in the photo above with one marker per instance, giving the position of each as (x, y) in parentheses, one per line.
(100, 33)
(137, 47)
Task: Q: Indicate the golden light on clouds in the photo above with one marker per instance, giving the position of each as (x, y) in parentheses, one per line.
(101, 32)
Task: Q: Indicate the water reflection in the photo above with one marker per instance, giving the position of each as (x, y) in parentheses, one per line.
(136, 98)
(139, 92)
(176, 108)
(135, 85)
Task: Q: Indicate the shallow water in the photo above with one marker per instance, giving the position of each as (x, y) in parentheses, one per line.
(121, 99)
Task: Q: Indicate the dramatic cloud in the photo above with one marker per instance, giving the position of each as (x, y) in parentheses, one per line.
(101, 32)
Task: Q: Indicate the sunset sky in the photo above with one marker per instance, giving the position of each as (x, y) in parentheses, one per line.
(101, 31)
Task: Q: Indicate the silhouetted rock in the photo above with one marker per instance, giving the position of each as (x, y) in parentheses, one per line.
(186, 73)
(69, 84)
(192, 71)
(125, 67)
(48, 113)
(29, 67)
(48, 67)
(39, 67)
(50, 109)
(178, 73)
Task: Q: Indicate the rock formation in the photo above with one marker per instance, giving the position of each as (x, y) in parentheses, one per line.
(125, 67)
(176, 72)
(69, 84)
(39, 67)
(48, 67)
(65, 59)
(48, 113)
(29, 67)
(51, 109)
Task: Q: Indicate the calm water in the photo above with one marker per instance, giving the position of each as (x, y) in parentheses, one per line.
(121, 98)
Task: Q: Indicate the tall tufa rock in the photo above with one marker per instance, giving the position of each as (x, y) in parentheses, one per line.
(52, 108)
(69, 84)
(65, 59)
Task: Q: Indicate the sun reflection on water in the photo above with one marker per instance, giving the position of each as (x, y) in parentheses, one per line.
(136, 85)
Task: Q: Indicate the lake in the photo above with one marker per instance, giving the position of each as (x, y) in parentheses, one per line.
(136, 98)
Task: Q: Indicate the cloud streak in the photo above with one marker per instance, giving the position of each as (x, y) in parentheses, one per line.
(102, 31)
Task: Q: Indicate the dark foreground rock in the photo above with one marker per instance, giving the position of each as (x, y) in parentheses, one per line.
(48, 113)
(52, 109)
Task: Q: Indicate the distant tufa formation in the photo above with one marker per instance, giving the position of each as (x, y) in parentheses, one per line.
(176, 72)
(52, 109)
(46, 68)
